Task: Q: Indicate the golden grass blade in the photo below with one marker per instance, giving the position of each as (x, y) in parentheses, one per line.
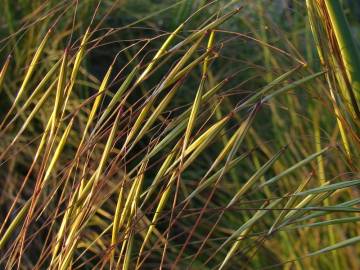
(124, 214)
(235, 140)
(28, 74)
(98, 98)
(36, 92)
(60, 93)
(196, 105)
(78, 58)
(58, 151)
(3, 71)
(159, 109)
(180, 123)
(28, 119)
(15, 222)
(202, 142)
(144, 112)
(208, 27)
(159, 54)
(116, 98)
(160, 174)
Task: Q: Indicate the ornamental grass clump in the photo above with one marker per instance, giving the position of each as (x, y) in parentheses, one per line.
(178, 135)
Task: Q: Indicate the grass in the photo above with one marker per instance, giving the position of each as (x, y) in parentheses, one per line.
(179, 135)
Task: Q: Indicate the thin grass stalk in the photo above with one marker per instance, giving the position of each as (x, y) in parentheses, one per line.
(28, 75)
(3, 71)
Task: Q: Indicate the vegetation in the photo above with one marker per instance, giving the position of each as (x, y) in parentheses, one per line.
(179, 134)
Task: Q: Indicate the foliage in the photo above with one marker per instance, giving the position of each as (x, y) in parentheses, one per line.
(178, 135)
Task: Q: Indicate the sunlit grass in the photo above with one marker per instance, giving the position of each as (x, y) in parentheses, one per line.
(201, 136)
